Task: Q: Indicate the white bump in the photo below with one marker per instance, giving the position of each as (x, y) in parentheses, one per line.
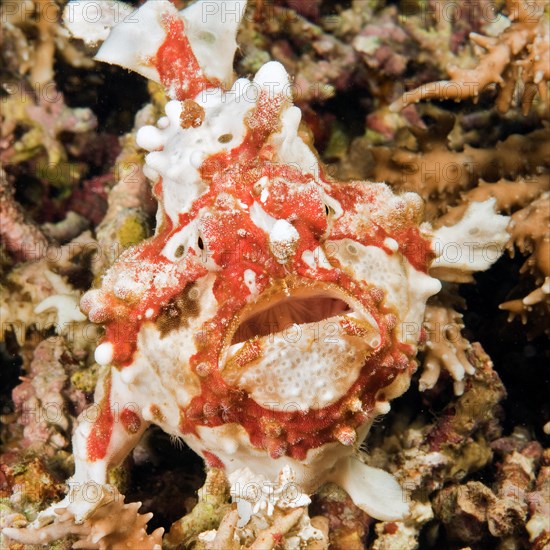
(250, 281)
(229, 445)
(128, 375)
(104, 353)
(328, 396)
(149, 138)
(282, 240)
(273, 78)
(163, 122)
(391, 244)
(173, 110)
(261, 218)
(382, 407)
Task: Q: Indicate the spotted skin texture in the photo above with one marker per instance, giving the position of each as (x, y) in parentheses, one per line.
(236, 245)
(147, 290)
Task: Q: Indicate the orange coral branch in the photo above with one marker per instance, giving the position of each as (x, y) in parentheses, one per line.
(446, 348)
(509, 195)
(521, 53)
(270, 537)
(113, 525)
(530, 234)
(438, 173)
(225, 535)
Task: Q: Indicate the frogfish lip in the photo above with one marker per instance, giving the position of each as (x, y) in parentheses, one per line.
(299, 328)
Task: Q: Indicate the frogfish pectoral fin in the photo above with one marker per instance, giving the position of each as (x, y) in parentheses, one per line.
(373, 490)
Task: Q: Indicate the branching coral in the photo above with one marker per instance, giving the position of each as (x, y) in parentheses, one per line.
(38, 295)
(425, 162)
(442, 41)
(266, 539)
(445, 347)
(32, 36)
(510, 196)
(439, 174)
(530, 233)
(519, 55)
(115, 525)
(216, 525)
(449, 180)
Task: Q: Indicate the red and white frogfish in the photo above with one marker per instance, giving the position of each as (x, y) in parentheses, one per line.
(276, 312)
